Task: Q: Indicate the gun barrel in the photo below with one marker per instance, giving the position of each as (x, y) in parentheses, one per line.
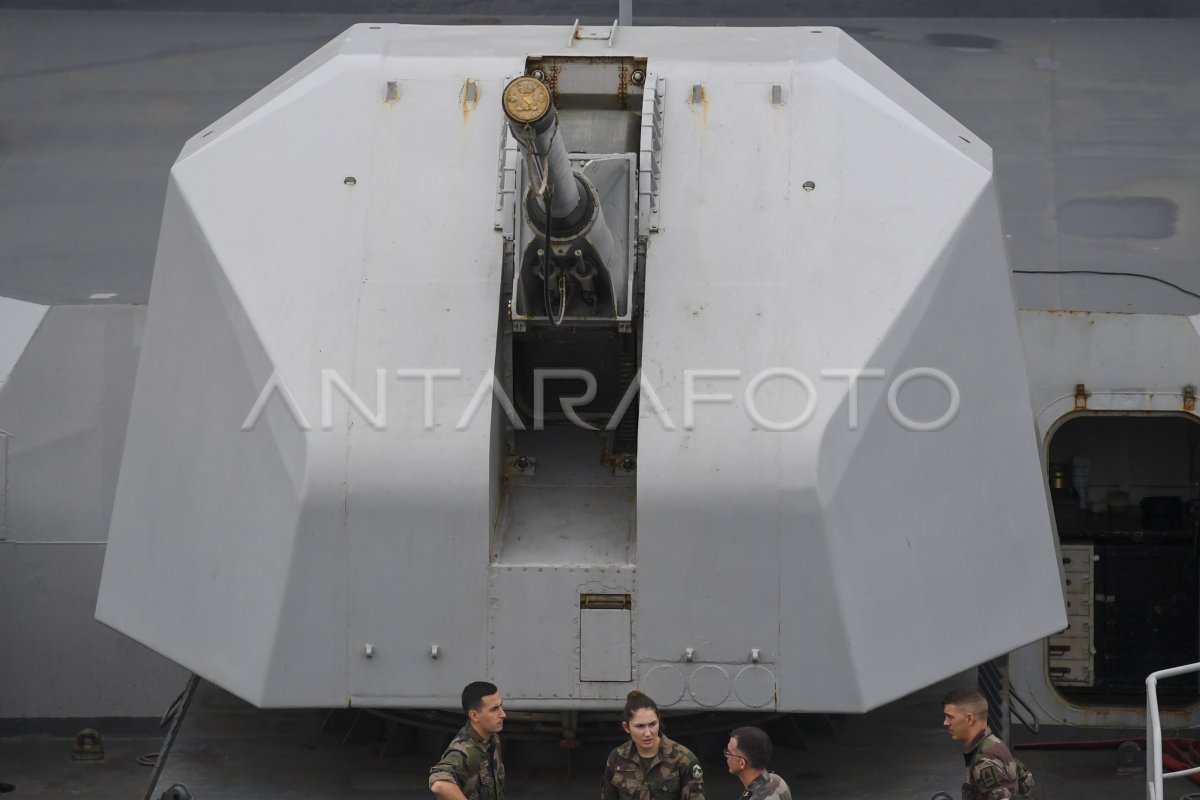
(533, 122)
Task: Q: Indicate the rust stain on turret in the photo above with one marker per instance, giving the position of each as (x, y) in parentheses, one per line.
(698, 99)
(469, 98)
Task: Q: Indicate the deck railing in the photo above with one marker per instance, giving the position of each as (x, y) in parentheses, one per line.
(1154, 763)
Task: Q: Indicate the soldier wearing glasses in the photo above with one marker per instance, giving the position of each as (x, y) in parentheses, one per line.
(746, 756)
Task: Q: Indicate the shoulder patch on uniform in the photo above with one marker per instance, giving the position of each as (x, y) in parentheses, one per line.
(697, 772)
(989, 776)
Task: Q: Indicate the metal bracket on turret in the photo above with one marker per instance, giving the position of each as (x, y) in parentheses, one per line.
(579, 32)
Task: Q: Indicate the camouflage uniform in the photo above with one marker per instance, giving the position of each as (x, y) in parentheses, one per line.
(673, 774)
(767, 786)
(474, 764)
(992, 772)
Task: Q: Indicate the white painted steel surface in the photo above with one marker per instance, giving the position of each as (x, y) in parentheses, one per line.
(18, 321)
(844, 554)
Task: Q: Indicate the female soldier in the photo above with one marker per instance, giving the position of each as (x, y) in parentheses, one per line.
(650, 766)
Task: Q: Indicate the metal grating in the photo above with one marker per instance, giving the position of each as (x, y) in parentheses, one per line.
(993, 683)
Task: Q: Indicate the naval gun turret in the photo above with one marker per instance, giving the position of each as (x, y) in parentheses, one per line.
(582, 361)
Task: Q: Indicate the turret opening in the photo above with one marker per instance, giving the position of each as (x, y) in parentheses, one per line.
(571, 316)
(1126, 492)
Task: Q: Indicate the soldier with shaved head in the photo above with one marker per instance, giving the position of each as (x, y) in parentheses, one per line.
(992, 772)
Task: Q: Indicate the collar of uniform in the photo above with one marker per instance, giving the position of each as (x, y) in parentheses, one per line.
(629, 751)
(471, 734)
(759, 781)
(668, 748)
(973, 745)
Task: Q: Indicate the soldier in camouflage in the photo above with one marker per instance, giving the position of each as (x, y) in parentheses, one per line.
(650, 765)
(747, 755)
(991, 771)
(471, 768)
